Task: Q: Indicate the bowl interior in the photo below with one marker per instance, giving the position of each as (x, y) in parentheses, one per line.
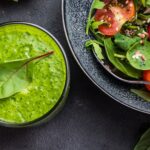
(75, 14)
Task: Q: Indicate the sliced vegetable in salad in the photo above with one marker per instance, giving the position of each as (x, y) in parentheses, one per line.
(121, 31)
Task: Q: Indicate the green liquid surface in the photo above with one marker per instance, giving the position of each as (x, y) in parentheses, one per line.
(19, 41)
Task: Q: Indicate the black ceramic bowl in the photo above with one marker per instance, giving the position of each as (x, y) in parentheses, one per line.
(74, 13)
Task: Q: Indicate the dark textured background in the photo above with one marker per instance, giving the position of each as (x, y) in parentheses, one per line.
(90, 119)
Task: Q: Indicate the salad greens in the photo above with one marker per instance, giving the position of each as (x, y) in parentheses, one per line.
(120, 64)
(144, 51)
(144, 142)
(95, 5)
(121, 32)
(142, 93)
(95, 47)
(16, 75)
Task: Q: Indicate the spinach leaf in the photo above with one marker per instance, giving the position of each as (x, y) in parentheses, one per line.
(96, 48)
(144, 142)
(148, 3)
(97, 4)
(123, 66)
(139, 56)
(16, 75)
(125, 42)
(142, 93)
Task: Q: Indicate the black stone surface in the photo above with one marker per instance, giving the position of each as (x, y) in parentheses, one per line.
(90, 120)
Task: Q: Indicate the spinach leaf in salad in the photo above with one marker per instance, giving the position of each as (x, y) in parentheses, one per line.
(97, 4)
(125, 42)
(146, 3)
(139, 56)
(121, 65)
(144, 142)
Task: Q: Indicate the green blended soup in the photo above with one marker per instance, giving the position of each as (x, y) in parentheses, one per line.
(20, 41)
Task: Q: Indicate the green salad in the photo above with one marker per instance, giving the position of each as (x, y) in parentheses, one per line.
(121, 30)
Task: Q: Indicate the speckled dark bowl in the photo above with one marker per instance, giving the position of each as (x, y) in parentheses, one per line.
(74, 14)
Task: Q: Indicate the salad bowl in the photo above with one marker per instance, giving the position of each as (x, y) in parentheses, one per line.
(75, 14)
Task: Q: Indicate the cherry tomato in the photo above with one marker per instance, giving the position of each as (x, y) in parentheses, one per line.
(108, 17)
(148, 30)
(129, 11)
(115, 16)
(146, 77)
(106, 1)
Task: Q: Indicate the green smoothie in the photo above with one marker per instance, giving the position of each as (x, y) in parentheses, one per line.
(20, 41)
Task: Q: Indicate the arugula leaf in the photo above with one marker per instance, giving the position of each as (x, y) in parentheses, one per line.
(96, 48)
(96, 24)
(98, 37)
(144, 142)
(142, 93)
(139, 56)
(123, 66)
(125, 42)
(97, 4)
(16, 75)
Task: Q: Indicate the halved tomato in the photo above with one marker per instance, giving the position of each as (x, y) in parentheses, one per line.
(106, 1)
(115, 16)
(107, 16)
(146, 77)
(148, 30)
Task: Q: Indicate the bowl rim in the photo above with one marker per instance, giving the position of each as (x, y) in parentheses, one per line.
(61, 101)
(85, 72)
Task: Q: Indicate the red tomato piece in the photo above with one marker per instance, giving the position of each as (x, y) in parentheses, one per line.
(106, 1)
(148, 30)
(146, 77)
(115, 16)
(108, 17)
(130, 11)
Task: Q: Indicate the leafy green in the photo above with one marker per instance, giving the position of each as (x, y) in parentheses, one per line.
(143, 16)
(97, 4)
(142, 93)
(98, 37)
(96, 24)
(143, 61)
(96, 48)
(16, 75)
(125, 42)
(147, 3)
(123, 66)
(144, 142)
(143, 2)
